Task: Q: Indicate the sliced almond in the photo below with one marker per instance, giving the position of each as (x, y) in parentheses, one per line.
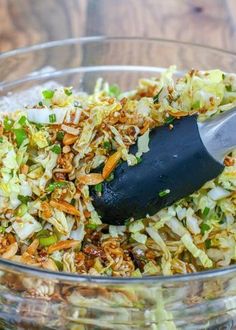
(111, 164)
(178, 114)
(32, 248)
(63, 245)
(10, 251)
(69, 139)
(65, 207)
(70, 130)
(91, 179)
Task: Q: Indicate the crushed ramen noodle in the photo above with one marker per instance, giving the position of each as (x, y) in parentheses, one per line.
(54, 151)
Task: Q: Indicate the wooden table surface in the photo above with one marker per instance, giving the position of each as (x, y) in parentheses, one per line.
(208, 22)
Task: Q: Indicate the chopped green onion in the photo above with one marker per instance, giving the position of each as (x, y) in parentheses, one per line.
(2, 229)
(52, 118)
(156, 97)
(114, 90)
(47, 93)
(47, 241)
(206, 211)
(228, 88)
(52, 186)
(98, 187)
(8, 123)
(164, 193)
(20, 135)
(208, 243)
(68, 91)
(169, 120)
(56, 149)
(40, 104)
(107, 145)
(111, 177)
(92, 226)
(43, 233)
(204, 227)
(1, 139)
(196, 105)
(21, 210)
(23, 199)
(22, 120)
(73, 201)
(139, 159)
(60, 135)
(38, 126)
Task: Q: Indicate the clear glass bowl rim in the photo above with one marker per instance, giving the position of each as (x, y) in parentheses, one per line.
(71, 277)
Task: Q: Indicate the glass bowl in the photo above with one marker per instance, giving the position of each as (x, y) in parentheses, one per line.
(32, 298)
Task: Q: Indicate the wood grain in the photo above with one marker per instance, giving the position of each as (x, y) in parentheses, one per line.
(26, 22)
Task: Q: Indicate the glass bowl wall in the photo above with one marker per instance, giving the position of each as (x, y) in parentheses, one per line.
(32, 298)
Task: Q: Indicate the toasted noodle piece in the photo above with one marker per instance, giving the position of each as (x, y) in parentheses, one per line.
(29, 259)
(111, 164)
(49, 264)
(32, 248)
(69, 139)
(65, 207)
(10, 251)
(63, 245)
(11, 238)
(145, 127)
(46, 210)
(91, 179)
(178, 114)
(24, 169)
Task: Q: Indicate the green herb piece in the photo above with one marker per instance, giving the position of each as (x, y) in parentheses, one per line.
(52, 186)
(164, 193)
(59, 264)
(114, 90)
(169, 120)
(223, 76)
(8, 124)
(156, 97)
(107, 145)
(22, 120)
(228, 88)
(205, 212)
(68, 91)
(139, 159)
(196, 105)
(43, 233)
(92, 226)
(56, 149)
(204, 227)
(48, 94)
(40, 103)
(20, 135)
(38, 126)
(1, 139)
(111, 177)
(73, 201)
(98, 187)
(23, 199)
(47, 241)
(21, 210)
(208, 243)
(52, 118)
(2, 229)
(60, 135)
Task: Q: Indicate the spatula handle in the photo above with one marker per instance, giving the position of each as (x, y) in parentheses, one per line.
(219, 134)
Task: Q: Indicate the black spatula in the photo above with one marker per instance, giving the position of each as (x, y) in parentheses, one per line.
(179, 162)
